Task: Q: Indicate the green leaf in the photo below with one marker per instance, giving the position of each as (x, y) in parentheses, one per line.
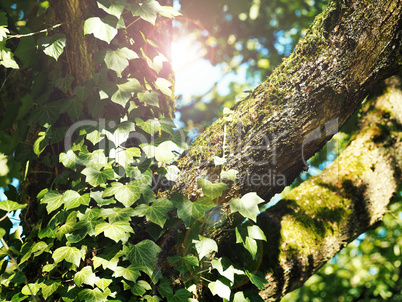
(49, 287)
(8, 205)
(247, 205)
(125, 157)
(73, 107)
(117, 60)
(106, 264)
(2, 232)
(130, 273)
(30, 289)
(53, 46)
(69, 254)
(69, 159)
(26, 50)
(7, 57)
(118, 214)
(68, 226)
(220, 289)
(169, 12)
(257, 279)
(183, 264)
(163, 85)
(212, 190)
(205, 246)
(191, 211)
(64, 84)
(180, 295)
(230, 174)
(97, 196)
(3, 33)
(126, 194)
(122, 91)
(53, 201)
(104, 29)
(143, 253)
(3, 165)
(73, 199)
(239, 297)
(158, 211)
(96, 177)
(162, 153)
(225, 270)
(46, 114)
(150, 126)
(93, 295)
(149, 97)
(103, 283)
(112, 7)
(140, 288)
(86, 276)
(117, 231)
(147, 10)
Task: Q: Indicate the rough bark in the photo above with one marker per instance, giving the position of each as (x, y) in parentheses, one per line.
(349, 49)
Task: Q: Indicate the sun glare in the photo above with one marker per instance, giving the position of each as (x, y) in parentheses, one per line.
(194, 74)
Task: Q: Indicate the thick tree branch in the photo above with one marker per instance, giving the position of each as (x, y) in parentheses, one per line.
(325, 213)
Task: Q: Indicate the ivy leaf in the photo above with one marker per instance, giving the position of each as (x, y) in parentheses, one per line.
(122, 91)
(110, 264)
(69, 254)
(169, 12)
(97, 196)
(103, 283)
(150, 126)
(2, 233)
(183, 263)
(27, 50)
(162, 153)
(53, 201)
(163, 85)
(3, 33)
(7, 57)
(230, 174)
(73, 107)
(30, 289)
(220, 289)
(124, 157)
(49, 287)
(53, 46)
(69, 159)
(117, 231)
(118, 214)
(212, 190)
(97, 177)
(3, 165)
(73, 199)
(149, 97)
(205, 246)
(93, 295)
(130, 273)
(86, 276)
(146, 10)
(139, 288)
(104, 29)
(181, 295)
(47, 113)
(191, 211)
(158, 211)
(239, 297)
(64, 84)
(112, 7)
(247, 205)
(225, 270)
(9, 206)
(126, 194)
(143, 253)
(68, 226)
(257, 279)
(117, 60)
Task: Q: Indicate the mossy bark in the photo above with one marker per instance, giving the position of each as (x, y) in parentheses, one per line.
(350, 48)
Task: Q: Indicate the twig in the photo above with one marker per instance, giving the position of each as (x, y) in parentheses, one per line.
(34, 33)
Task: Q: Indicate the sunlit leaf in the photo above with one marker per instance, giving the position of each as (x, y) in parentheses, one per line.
(104, 29)
(150, 126)
(67, 253)
(147, 10)
(126, 194)
(130, 273)
(117, 60)
(149, 97)
(143, 253)
(86, 276)
(118, 214)
(247, 205)
(162, 153)
(54, 45)
(112, 7)
(93, 295)
(163, 85)
(220, 289)
(117, 231)
(158, 211)
(191, 211)
(97, 177)
(7, 57)
(8, 205)
(257, 279)
(53, 200)
(212, 190)
(205, 246)
(73, 199)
